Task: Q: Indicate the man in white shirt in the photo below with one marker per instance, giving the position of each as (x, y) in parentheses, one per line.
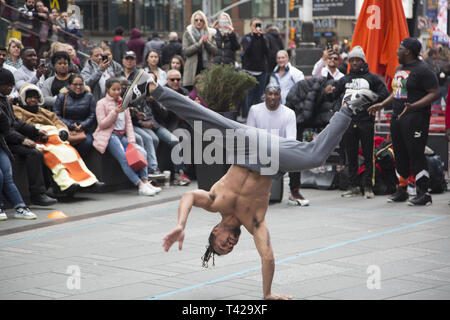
(328, 65)
(277, 119)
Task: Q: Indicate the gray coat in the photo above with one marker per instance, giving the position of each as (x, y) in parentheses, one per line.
(191, 49)
(91, 74)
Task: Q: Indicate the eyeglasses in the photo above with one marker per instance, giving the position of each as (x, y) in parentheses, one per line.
(175, 79)
(335, 59)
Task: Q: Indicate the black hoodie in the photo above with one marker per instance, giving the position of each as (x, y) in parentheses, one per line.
(360, 79)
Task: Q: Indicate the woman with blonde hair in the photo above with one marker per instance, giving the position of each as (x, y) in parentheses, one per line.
(226, 40)
(198, 47)
(13, 53)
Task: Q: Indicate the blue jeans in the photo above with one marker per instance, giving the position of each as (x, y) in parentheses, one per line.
(7, 185)
(254, 96)
(149, 146)
(116, 146)
(164, 135)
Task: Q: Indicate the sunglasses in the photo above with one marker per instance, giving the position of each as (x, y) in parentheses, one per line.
(198, 20)
(335, 59)
(77, 84)
(175, 79)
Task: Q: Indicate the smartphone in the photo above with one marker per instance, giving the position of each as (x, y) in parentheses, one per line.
(104, 57)
(42, 62)
(223, 23)
(329, 46)
(258, 25)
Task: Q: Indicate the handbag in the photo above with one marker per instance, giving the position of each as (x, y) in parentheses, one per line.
(135, 159)
(75, 137)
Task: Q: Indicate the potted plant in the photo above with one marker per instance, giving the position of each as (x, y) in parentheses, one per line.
(223, 88)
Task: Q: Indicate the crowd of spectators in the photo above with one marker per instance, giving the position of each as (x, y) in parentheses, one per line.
(46, 80)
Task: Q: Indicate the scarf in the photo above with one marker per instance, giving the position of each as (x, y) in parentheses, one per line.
(31, 109)
(197, 34)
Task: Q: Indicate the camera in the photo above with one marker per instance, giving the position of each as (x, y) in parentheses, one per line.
(258, 26)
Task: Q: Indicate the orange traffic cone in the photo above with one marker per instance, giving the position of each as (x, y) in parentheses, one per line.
(57, 215)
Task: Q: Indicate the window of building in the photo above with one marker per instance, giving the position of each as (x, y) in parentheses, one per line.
(256, 8)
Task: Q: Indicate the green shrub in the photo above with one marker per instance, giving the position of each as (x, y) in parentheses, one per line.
(223, 88)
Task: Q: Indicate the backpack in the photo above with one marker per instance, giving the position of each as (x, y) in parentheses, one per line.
(385, 161)
(437, 182)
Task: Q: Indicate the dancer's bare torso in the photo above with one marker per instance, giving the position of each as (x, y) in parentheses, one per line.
(243, 194)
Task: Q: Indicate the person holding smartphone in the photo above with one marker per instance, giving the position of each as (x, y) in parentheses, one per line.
(254, 55)
(226, 40)
(97, 70)
(328, 65)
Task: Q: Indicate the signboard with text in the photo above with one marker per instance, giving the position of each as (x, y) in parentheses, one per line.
(335, 8)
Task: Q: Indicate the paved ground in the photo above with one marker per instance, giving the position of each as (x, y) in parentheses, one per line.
(110, 248)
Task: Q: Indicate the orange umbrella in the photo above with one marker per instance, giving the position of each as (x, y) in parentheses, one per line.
(380, 28)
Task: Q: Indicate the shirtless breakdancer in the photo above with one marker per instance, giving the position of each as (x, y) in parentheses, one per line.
(241, 197)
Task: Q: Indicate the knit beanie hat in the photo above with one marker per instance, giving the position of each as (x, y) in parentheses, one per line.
(6, 77)
(357, 52)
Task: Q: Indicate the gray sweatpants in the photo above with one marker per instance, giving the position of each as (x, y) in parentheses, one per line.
(256, 149)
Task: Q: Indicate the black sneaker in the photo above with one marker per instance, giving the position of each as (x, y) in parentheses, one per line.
(43, 200)
(137, 89)
(399, 196)
(423, 199)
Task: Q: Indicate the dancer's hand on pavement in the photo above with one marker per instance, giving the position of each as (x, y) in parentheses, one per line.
(276, 296)
(176, 234)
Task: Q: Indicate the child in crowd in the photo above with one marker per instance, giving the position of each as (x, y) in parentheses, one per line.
(115, 131)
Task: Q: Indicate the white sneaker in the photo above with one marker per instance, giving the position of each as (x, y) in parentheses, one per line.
(3, 216)
(358, 99)
(144, 190)
(24, 213)
(157, 189)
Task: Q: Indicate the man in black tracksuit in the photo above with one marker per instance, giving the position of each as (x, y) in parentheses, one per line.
(362, 126)
(415, 87)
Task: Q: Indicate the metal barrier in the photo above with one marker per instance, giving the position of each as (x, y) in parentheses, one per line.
(12, 17)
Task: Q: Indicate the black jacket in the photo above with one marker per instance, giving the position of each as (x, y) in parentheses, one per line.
(79, 109)
(356, 80)
(255, 53)
(174, 47)
(4, 131)
(227, 45)
(275, 44)
(13, 130)
(307, 98)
